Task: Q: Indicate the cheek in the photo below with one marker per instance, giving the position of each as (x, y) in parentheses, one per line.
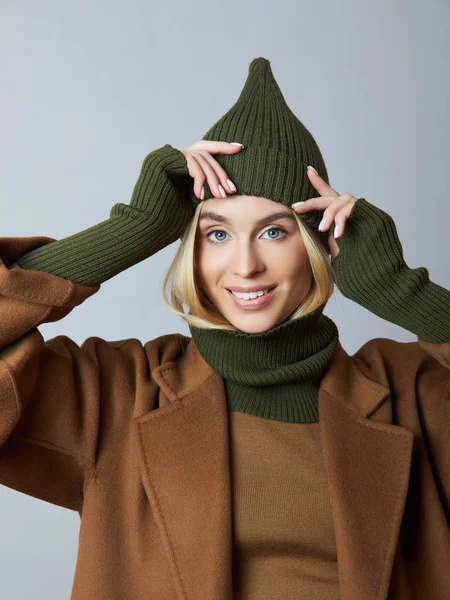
(292, 262)
(290, 267)
(209, 264)
(210, 255)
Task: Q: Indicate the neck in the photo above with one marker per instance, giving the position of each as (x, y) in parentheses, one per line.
(274, 374)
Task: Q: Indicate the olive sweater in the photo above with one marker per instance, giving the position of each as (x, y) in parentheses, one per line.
(283, 525)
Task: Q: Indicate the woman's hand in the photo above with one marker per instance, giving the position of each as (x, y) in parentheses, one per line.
(203, 167)
(337, 209)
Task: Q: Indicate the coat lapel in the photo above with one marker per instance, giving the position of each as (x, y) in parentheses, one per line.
(183, 456)
(368, 463)
(184, 461)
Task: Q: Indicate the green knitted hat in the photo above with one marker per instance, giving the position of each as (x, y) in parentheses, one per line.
(277, 146)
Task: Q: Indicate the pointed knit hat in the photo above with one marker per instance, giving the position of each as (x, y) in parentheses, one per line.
(277, 147)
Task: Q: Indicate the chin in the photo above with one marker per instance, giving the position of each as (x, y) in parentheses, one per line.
(252, 322)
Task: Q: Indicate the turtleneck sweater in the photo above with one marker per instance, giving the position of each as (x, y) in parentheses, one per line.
(275, 374)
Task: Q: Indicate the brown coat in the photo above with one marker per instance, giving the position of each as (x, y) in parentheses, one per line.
(135, 438)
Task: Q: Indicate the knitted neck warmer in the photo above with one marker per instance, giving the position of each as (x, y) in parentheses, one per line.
(274, 374)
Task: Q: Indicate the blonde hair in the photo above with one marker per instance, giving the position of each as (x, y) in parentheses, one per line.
(185, 289)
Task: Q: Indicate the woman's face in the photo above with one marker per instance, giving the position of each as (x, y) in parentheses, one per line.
(236, 248)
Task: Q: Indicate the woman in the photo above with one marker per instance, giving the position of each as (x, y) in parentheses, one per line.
(256, 459)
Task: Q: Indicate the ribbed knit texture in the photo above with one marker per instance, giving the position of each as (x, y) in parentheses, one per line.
(278, 147)
(275, 374)
(155, 217)
(370, 269)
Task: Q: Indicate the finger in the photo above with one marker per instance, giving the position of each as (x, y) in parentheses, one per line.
(220, 171)
(211, 176)
(197, 173)
(215, 147)
(341, 218)
(320, 184)
(334, 248)
(319, 203)
(337, 217)
(331, 211)
(330, 205)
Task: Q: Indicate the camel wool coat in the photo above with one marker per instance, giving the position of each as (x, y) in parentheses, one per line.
(134, 437)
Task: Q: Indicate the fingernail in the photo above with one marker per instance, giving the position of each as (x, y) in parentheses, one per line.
(237, 144)
(231, 184)
(310, 167)
(202, 193)
(322, 224)
(336, 231)
(222, 191)
(297, 203)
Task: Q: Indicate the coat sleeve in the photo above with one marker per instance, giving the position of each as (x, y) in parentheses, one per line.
(49, 396)
(436, 414)
(441, 352)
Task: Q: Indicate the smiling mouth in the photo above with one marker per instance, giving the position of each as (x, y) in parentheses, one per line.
(269, 289)
(259, 302)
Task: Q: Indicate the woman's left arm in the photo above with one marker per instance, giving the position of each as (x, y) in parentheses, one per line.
(369, 268)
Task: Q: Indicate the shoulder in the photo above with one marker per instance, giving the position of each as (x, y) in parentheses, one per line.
(121, 370)
(401, 363)
(391, 352)
(154, 352)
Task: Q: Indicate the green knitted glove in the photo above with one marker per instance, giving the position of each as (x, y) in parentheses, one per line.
(160, 194)
(370, 269)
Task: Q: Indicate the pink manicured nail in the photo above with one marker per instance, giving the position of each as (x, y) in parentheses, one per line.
(231, 184)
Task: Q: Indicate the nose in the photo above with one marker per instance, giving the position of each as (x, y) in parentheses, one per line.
(247, 260)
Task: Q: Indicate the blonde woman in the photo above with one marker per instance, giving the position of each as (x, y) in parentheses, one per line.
(255, 459)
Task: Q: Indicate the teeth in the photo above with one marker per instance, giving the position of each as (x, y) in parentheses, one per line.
(250, 295)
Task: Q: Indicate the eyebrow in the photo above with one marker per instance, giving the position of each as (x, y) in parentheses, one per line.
(260, 223)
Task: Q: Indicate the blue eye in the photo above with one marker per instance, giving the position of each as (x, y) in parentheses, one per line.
(211, 232)
(222, 231)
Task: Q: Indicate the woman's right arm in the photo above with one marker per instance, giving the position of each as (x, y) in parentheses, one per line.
(51, 396)
(155, 217)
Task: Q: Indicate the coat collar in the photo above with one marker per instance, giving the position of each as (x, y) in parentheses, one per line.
(183, 455)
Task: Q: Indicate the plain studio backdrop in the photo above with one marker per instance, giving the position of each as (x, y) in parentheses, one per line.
(90, 88)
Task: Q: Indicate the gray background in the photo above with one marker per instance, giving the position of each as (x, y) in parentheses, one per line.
(90, 88)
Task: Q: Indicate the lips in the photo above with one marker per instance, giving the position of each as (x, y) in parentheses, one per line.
(254, 304)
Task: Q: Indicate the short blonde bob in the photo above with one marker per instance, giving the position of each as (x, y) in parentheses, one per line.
(185, 289)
